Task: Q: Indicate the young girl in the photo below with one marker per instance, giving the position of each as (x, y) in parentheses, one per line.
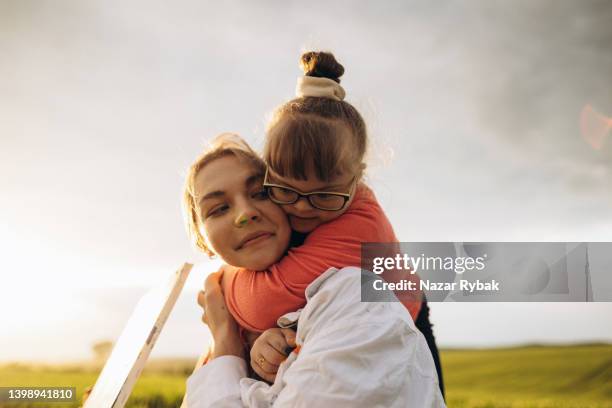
(315, 150)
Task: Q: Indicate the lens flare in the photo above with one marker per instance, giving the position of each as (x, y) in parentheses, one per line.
(594, 127)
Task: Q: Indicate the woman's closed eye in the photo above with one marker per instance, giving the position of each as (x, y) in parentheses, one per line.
(223, 208)
(260, 194)
(217, 210)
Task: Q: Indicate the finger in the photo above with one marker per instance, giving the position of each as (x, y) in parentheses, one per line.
(212, 290)
(289, 337)
(264, 347)
(278, 340)
(220, 280)
(269, 377)
(201, 299)
(201, 302)
(272, 356)
(267, 358)
(263, 365)
(213, 281)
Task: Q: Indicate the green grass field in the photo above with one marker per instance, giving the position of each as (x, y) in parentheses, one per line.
(536, 376)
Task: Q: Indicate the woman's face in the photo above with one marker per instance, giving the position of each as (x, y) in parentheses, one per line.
(239, 222)
(303, 217)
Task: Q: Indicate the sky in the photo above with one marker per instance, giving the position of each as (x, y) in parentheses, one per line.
(473, 110)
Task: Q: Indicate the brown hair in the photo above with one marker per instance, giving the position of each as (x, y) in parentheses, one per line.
(223, 145)
(324, 135)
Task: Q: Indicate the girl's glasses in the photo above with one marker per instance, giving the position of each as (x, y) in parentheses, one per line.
(322, 200)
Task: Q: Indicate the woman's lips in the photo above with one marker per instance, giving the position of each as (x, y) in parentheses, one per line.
(256, 239)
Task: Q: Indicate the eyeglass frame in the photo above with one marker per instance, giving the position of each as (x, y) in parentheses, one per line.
(346, 196)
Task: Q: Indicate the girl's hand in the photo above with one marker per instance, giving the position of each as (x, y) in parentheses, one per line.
(270, 350)
(221, 323)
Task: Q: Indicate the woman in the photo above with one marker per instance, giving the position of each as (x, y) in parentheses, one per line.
(348, 353)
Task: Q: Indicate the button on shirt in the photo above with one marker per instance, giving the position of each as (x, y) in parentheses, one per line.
(352, 354)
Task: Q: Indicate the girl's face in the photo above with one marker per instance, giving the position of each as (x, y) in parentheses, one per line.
(239, 222)
(303, 217)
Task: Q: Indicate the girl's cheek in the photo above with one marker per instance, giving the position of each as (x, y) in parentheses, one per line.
(329, 216)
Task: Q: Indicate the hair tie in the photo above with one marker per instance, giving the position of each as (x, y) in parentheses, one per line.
(319, 88)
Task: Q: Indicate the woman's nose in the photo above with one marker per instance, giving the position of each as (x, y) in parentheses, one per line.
(246, 214)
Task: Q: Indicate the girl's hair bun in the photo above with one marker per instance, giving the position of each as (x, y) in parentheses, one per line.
(322, 65)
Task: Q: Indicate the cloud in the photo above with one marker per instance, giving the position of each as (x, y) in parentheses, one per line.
(534, 66)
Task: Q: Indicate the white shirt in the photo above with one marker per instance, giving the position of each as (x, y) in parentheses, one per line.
(353, 354)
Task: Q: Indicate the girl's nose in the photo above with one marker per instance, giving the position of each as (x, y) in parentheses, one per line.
(302, 205)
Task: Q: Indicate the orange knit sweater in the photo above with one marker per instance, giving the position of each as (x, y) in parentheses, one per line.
(257, 299)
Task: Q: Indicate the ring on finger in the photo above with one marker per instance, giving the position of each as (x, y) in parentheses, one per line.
(260, 361)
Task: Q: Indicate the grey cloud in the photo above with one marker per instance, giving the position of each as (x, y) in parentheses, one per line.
(539, 64)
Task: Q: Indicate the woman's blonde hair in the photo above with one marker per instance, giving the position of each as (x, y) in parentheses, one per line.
(326, 136)
(225, 144)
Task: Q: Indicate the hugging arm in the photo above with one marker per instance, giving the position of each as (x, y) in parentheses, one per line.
(334, 244)
(372, 356)
(344, 367)
(227, 345)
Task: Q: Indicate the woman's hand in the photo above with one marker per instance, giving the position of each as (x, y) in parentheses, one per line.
(270, 350)
(221, 323)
